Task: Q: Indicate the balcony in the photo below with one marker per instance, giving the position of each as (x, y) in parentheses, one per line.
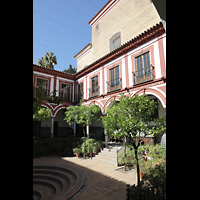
(66, 96)
(143, 75)
(41, 92)
(93, 92)
(79, 97)
(114, 84)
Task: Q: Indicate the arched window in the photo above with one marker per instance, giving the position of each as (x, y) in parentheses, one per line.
(115, 41)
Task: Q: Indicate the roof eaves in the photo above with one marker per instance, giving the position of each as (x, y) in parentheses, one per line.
(120, 47)
(54, 70)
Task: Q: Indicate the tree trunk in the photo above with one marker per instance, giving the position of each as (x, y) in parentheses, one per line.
(138, 169)
(84, 142)
(124, 153)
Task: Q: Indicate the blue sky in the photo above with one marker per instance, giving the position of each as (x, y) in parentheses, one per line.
(61, 26)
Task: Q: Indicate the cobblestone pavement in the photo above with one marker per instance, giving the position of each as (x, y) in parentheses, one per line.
(103, 181)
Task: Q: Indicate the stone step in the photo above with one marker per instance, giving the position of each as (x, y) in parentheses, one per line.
(67, 178)
(46, 189)
(111, 162)
(55, 182)
(108, 155)
(37, 195)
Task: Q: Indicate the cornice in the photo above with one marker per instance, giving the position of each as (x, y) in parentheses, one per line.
(137, 41)
(83, 51)
(103, 11)
(53, 72)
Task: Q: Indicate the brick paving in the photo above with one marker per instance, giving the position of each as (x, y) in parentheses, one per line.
(103, 181)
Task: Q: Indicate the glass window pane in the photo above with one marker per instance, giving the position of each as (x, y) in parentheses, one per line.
(148, 63)
(140, 59)
(144, 57)
(145, 65)
(147, 56)
(137, 60)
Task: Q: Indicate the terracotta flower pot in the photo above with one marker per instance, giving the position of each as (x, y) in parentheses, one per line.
(77, 155)
(141, 175)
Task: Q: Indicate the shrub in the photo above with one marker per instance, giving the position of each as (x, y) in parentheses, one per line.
(89, 143)
(62, 146)
(76, 150)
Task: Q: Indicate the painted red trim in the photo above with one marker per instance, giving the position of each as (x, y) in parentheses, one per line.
(65, 82)
(93, 75)
(93, 20)
(126, 70)
(153, 92)
(140, 52)
(90, 44)
(53, 72)
(96, 102)
(86, 87)
(113, 65)
(54, 85)
(143, 38)
(162, 56)
(45, 78)
(103, 81)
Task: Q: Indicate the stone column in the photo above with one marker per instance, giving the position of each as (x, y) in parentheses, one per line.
(75, 128)
(106, 139)
(52, 127)
(87, 130)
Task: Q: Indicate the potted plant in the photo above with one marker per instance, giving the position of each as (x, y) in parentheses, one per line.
(77, 151)
(89, 144)
(99, 145)
(130, 160)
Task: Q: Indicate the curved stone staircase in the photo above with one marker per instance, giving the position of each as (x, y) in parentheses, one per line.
(56, 182)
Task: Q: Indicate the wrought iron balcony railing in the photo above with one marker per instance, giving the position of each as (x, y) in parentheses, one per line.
(114, 84)
(79, 96)
(66, 96)
(94, 91)
(40, 92)
(143, 75)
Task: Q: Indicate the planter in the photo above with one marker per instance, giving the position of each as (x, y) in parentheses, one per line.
(77, 155)
(129, 166)
(141, 175)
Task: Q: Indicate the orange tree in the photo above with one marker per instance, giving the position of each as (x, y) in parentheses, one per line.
(131, 117)
(84, 115)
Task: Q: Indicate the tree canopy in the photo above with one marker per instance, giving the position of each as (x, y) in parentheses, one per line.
(84, 115)
(42, 114)
(48, 61)
(132, 117)
(70, 70)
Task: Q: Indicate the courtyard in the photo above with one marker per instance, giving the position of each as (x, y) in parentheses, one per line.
(101, 180)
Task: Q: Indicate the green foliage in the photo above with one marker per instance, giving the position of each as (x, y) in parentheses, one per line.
(160, 126)
(70, 70)
(84, 115)
(54, 99)
(76, 150)
(155, 154)
(89, 143)
(62, 146)
(48, 61)
(42, 114)
(38, 95)
(154, 170)
(129, 117)
(128, 159)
